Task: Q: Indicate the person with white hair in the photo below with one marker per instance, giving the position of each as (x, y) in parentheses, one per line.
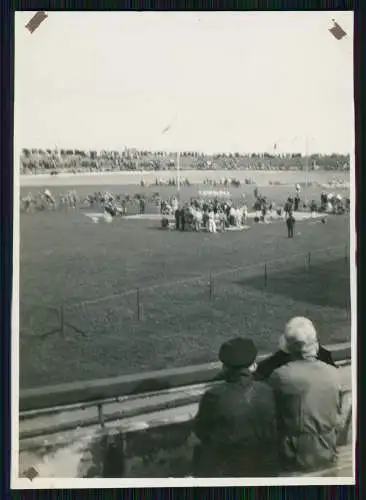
(283, 356)
(308, 401)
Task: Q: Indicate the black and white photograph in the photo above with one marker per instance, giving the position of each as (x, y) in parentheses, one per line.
(184, 288)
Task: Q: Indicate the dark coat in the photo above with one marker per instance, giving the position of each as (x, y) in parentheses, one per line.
(309, 414)
(280, 358)
(236, 426)
(288, 207)
(290, 221)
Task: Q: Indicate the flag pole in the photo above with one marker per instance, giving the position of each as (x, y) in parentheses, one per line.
(178, 171)
(141, 171)
(306, 168)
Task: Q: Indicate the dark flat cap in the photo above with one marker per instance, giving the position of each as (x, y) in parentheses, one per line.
(238, 353)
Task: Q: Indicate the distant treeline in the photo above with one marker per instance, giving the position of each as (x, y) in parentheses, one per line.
(74, 160)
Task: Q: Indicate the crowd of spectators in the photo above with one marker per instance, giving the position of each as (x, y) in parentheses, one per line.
(37, 161)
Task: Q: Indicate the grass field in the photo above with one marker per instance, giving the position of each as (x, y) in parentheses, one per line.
(66, 259)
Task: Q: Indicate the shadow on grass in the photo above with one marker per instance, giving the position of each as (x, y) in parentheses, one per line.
(324, 284)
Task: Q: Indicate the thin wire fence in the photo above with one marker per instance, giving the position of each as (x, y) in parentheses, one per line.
(208, 301)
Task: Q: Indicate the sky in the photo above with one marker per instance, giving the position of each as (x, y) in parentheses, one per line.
(224, 81)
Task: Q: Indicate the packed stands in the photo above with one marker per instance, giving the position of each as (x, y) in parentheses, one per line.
(38, 161)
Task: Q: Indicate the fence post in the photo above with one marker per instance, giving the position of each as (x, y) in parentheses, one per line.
(347, 305)
(141, 315)
(138, 304)
(100, 415)
(212, 287)
(265, 274)
(62, 322)
(346, 253)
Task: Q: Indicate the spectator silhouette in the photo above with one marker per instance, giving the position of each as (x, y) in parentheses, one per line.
(235, 422)
(308, 402)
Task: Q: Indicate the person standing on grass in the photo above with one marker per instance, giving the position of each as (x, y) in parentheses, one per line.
(177, 218)
(235, 422)
(313, 208)
(245, 215)
(182, 219)
(308, 403)
(290, 222)
(323, 201)
(211, 221)
(264, 209)
(288, 205)
(142, 206)
(124, 206)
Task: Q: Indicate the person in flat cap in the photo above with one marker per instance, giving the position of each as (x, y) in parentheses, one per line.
(282, 356)
(235, 422)
(237, 353)
(308, 402)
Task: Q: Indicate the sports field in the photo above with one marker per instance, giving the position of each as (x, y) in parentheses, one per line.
(94, 271)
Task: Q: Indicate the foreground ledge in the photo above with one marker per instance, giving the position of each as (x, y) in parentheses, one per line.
(141, 439)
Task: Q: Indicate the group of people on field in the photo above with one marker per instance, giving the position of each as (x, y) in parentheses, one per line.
(277, 416)
(334, 203)
(207, 214)
(213, 214)
(112, 203)
(45, 200)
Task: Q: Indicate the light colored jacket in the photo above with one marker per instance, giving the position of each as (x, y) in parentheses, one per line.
(308, 405)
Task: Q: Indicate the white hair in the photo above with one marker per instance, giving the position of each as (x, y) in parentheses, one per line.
(300, 338)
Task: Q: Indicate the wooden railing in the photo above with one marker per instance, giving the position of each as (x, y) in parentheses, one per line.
(102, 391)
